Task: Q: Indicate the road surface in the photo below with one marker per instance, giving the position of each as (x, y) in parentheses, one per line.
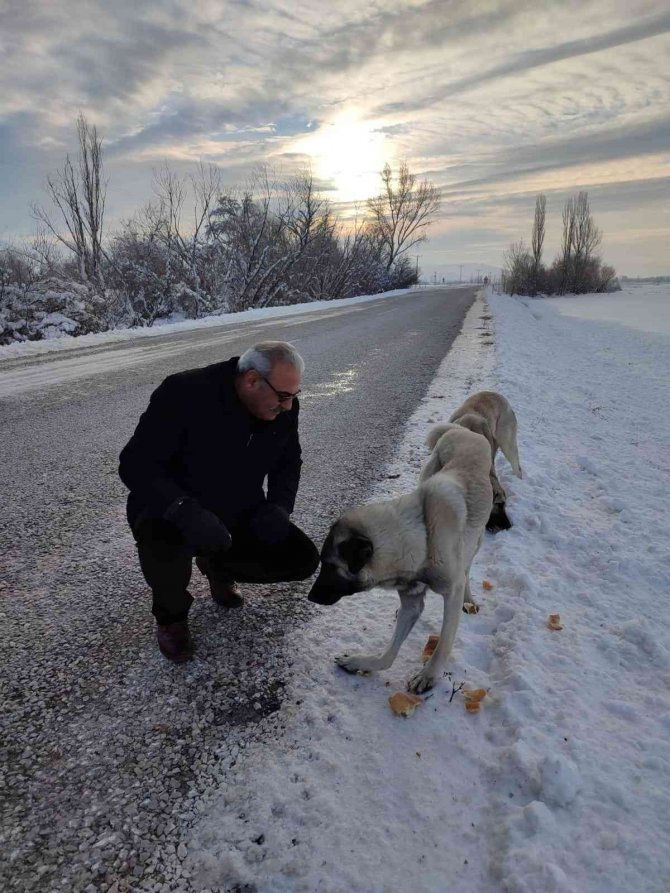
(104, 741)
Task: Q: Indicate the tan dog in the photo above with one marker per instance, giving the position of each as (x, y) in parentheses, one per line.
(425, 539)
(491, 415)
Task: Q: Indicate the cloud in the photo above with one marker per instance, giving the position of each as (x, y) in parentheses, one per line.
(488, 99)
(526, 60)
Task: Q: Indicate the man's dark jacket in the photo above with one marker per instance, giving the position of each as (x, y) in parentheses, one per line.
(197, 439)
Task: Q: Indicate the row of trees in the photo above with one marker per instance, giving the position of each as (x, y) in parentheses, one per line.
(577, 268)
(197, 248)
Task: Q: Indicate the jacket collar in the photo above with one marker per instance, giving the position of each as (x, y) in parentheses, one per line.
(231, 402)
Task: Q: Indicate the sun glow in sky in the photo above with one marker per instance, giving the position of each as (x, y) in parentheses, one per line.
(349, 153)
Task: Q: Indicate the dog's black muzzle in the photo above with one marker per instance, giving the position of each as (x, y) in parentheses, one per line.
(330, 586)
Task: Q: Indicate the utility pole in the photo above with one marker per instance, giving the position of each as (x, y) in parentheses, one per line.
(460, 273)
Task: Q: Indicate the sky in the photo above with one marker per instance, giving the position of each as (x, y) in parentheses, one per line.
(493, 102)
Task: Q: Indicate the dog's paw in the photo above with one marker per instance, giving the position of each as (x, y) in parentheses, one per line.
(420, 682)
(498, 519)
(470, 608)
(357, 663)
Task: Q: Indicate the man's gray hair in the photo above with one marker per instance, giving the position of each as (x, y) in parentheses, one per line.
(263, 356)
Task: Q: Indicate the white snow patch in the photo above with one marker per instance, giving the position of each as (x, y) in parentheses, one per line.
(560, 780)
(644, 306)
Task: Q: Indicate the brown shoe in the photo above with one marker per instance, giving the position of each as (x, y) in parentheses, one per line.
(224, 590)
(174, 641)
(226, 593)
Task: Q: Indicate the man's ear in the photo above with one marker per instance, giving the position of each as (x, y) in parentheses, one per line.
(356, 551)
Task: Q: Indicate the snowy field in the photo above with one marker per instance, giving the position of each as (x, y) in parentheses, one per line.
(644, 307)
(562, 781)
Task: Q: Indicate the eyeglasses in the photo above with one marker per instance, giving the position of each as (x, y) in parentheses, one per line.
(283, 396)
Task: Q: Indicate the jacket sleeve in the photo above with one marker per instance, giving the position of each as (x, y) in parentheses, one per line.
(284, 477)
(145, 461)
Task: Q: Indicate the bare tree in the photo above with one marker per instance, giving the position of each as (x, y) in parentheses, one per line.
(79, 194)
(343, 260)
(44, 248)
(271, 240)
(303, 209)
(206, 186)
(301, 216)
(581, 237)
(537, 241)
(518, 269)
(586, 239)
(163, 219)
(565, 258)
(183, 240)
(94, 190)
(402, 211)
(308, 221)
(254, 240)
(607, 279)
(166, 260)
(25, 265)
(17, 269)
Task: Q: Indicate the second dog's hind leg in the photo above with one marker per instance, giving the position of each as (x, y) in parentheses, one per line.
(498, 520)
(412, 600)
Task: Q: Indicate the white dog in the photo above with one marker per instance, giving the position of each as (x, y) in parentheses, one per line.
(491, 415)
(426, 539)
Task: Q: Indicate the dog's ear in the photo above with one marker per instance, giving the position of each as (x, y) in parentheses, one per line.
(356, 551)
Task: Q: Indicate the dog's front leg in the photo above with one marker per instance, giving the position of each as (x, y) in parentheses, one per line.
(470, 606)
(429, 675)
(412, 600)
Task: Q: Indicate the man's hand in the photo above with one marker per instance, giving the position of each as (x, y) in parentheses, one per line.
(201, 529)
(270, 523)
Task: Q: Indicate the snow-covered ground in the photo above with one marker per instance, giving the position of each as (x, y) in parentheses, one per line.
(644, 306)
(562, 781)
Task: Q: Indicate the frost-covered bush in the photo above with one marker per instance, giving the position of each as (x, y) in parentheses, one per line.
(272, 243)
(48, 309)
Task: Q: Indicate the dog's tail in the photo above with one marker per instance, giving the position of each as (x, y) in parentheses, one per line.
(507, 441)
(435, 433)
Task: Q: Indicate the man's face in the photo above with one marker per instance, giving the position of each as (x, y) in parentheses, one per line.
(265, 397)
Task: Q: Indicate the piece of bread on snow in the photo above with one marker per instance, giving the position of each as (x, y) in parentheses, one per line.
(473, 698)
(554, 621)
(429, 648)
(403, 703)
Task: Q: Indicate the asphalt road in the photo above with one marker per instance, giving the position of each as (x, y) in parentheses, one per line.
(105, 744)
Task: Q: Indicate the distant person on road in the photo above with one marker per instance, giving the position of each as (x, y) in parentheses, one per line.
(195, 468)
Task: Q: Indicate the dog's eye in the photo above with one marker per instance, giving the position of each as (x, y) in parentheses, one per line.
(356, 551)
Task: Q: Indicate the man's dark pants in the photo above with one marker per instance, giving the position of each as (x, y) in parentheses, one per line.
(167, 563)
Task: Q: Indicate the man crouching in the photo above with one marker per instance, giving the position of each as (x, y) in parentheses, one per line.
(195, 468)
